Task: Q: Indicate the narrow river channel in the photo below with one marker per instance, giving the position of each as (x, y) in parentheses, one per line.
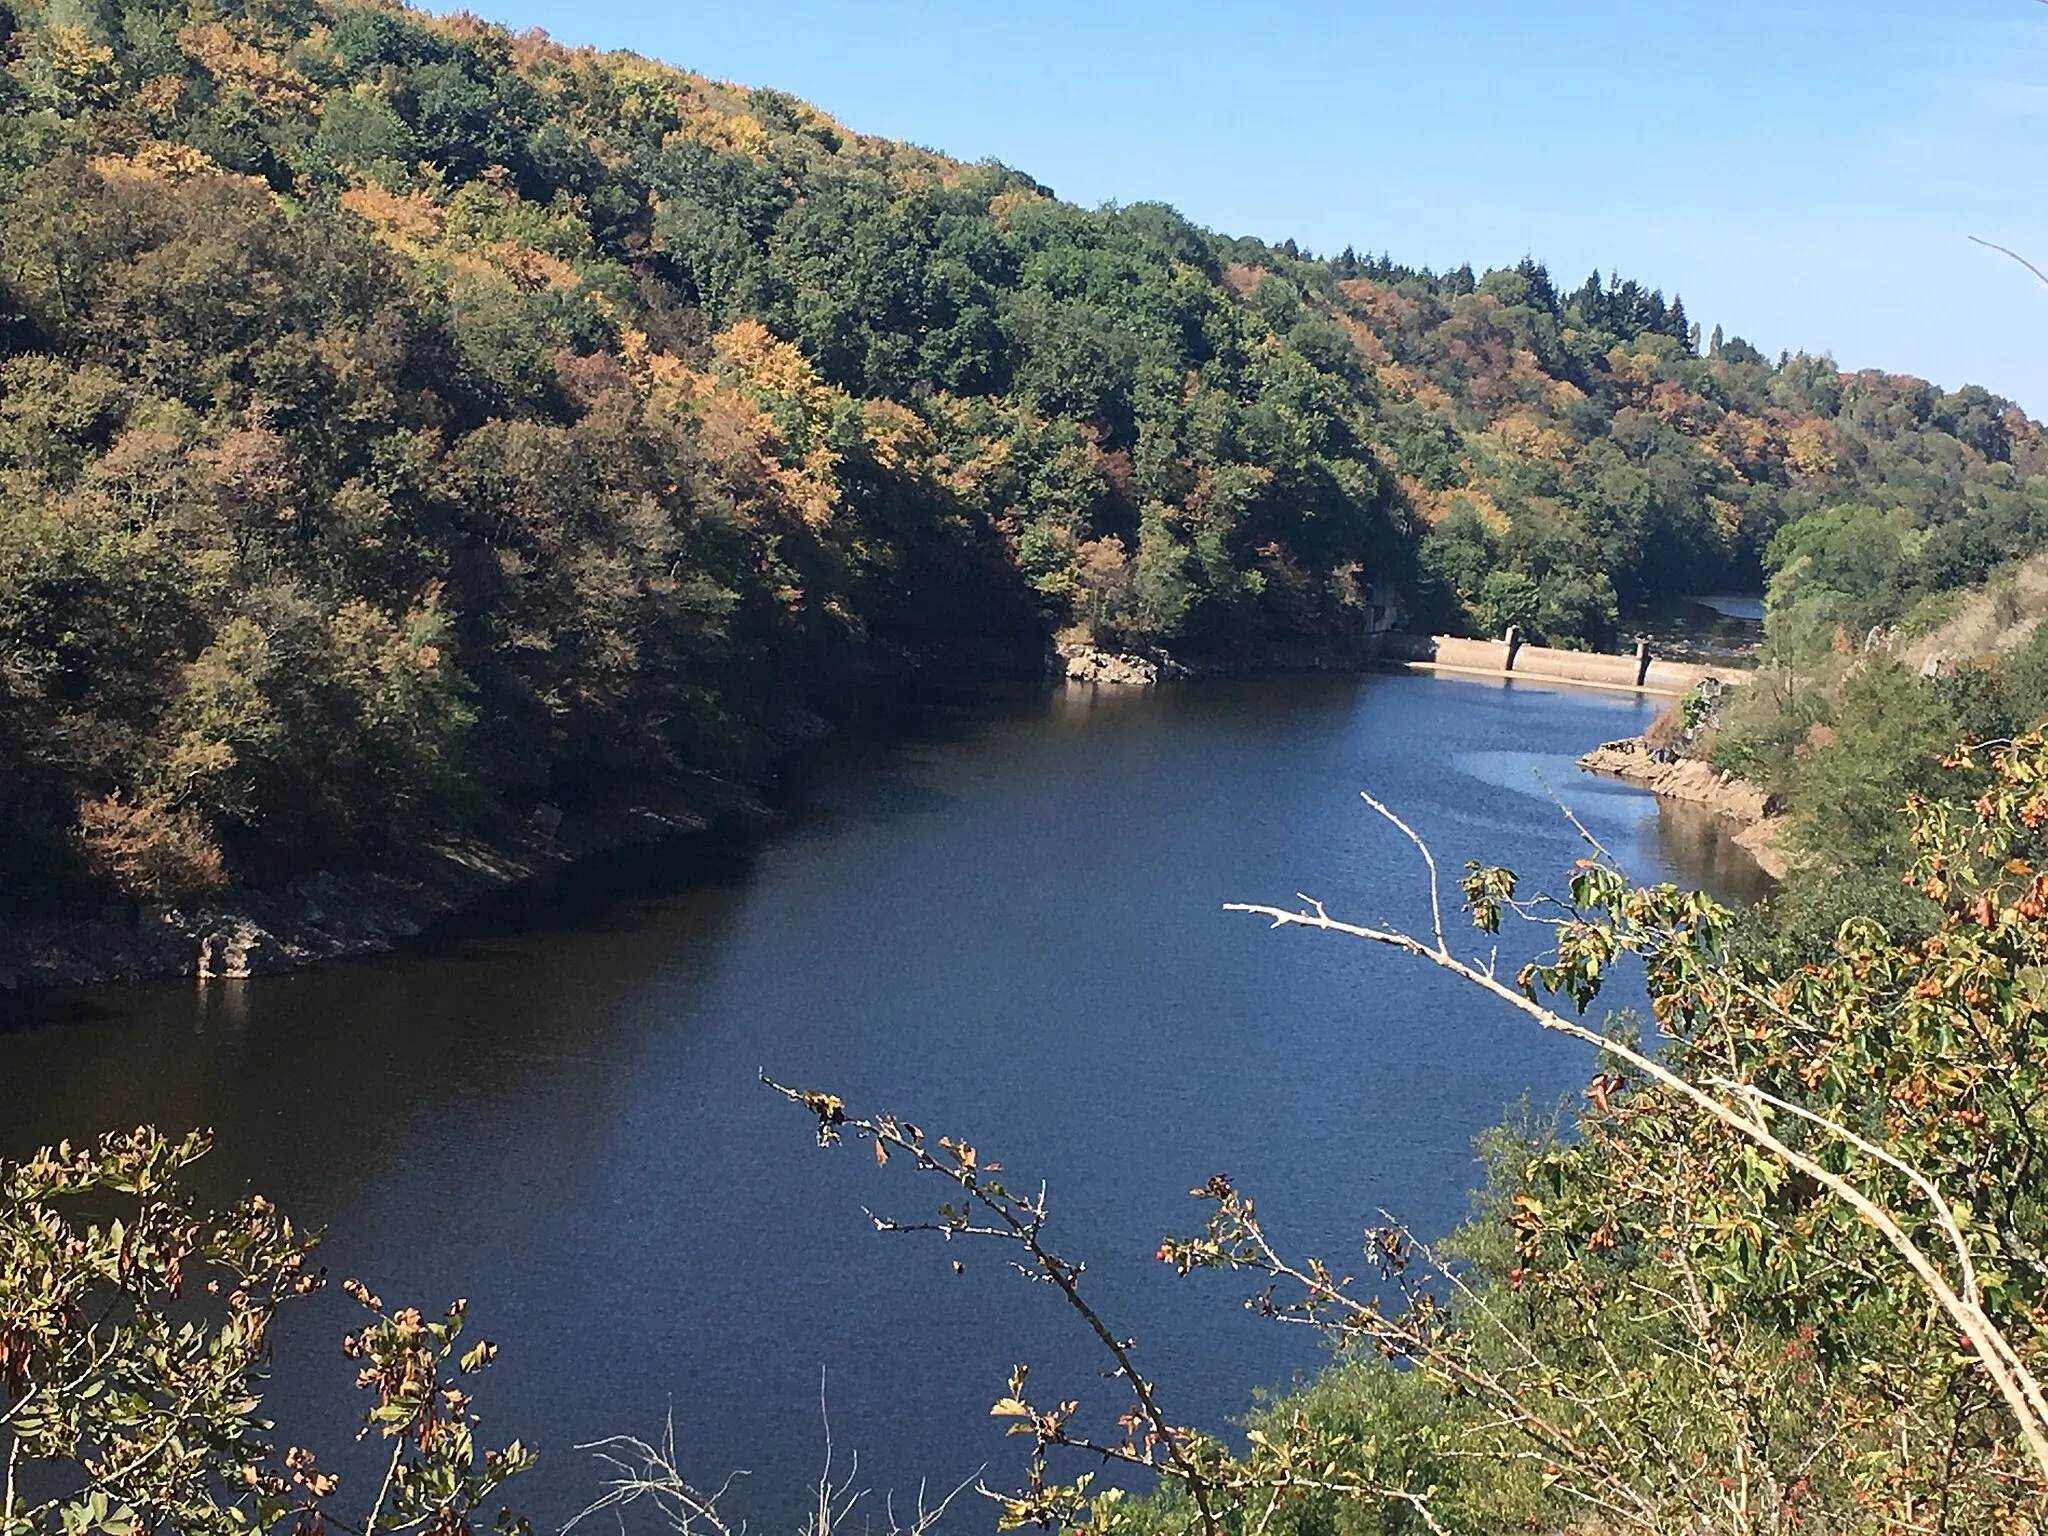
(1005, 925)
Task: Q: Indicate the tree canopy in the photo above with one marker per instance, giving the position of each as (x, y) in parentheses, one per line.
(405, 422)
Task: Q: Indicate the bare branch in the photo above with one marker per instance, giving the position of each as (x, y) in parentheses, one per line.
(1992, 245)
(1436, 907)
(2016, 1384)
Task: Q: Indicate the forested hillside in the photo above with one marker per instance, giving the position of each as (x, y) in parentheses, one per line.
(403, 422)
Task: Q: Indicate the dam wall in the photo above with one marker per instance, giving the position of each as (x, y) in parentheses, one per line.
(1640, 671)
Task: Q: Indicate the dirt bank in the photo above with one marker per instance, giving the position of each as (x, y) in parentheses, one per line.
(1695, 782)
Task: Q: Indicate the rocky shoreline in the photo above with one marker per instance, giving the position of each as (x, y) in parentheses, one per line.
(331, 915)
(1689, 779)
(1081, 662)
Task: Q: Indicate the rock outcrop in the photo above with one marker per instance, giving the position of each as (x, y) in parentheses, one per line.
(1082, 663)
(1697, 783)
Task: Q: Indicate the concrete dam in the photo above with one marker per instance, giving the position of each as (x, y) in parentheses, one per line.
(1640, 671)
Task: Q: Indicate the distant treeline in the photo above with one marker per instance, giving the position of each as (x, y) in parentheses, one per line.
(403, 422)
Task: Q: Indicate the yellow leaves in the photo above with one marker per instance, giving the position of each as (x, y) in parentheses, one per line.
(663, 378)
(530, 270)
(1009, 1408)
(277, 87)
(406, 223)
(814, 491)
(1002, 208)
(79, 71)
(734, 133)
(1397, 383)
(1430, 396)
(897, 435)
(831, 1112)
(1562, 394)
(156, 160)
(769, 363)
(158, 98)
(1810, 449)
(748, 443)
(1479, 504)
(1528, 436)
(1684, 410)
(417, 226)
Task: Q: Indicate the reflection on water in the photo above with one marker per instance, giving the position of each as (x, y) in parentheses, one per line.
(1748, 606)
(1700, 846)
(1007, 924)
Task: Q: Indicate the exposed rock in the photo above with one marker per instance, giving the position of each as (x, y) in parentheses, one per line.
(331, 915)
(1694, 781)
(1082, 663)
(238, 950)
(328, 915)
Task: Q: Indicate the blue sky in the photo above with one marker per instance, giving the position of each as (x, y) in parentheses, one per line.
(1807, 175)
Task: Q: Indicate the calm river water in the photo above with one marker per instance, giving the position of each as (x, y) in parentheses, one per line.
(1004, 925)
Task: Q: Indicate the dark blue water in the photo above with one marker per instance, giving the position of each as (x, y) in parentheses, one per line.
(1006, 927)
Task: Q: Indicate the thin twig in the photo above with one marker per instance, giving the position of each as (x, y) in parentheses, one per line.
(2014, 1382)
(2039, 276)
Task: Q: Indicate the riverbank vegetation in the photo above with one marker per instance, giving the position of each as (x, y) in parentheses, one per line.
(1862, 692)
(1782, 1269)
(1782, 1272)
(405, 424)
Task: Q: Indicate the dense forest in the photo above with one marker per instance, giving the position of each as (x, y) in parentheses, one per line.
(404, 422)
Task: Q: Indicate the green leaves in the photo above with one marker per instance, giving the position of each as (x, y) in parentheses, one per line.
(1487, 891)
(133, 1349)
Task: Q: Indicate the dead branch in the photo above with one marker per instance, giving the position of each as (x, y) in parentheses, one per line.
(2001, 1361)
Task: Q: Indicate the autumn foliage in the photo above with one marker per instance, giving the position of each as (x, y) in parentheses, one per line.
(405, 423)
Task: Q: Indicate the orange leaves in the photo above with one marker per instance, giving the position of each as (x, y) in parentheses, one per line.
(530, 270)
(897, 435)
(156, 160)
(403, 222)
(277, 87)
(146, 848)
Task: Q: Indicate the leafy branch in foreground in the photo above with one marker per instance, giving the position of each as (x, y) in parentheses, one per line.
(1216, 1484)
(1675, 933)
(1790, 1273)
(133, 1349)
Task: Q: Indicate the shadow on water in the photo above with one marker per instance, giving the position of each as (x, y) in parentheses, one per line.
(999, 915)
(1701, 846)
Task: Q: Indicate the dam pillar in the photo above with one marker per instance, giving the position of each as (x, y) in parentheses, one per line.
(1514, 643)
(1642, 659)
